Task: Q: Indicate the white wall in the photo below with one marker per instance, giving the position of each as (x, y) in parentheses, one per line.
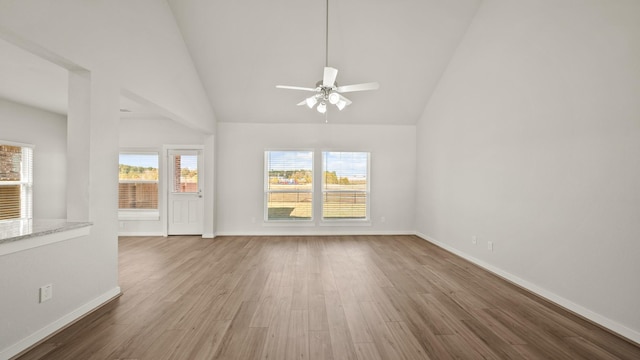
(152, 134)
(531, 141)
(137, 42)
(155, 132)
(83, 270)
(75, 279)
(240, 173)
(123, 45)
(48, 132)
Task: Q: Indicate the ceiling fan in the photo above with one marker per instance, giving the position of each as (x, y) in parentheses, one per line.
(327, 89)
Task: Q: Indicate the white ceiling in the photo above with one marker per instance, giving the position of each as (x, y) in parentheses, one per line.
(242, 49)
(31, 80)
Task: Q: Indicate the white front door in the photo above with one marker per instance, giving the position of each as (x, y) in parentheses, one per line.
(185, 205)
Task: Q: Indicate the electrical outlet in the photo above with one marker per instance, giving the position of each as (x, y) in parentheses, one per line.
(474, 240)
(490, 245)
(46, 292)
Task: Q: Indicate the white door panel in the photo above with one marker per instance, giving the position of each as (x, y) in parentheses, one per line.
(186, 206)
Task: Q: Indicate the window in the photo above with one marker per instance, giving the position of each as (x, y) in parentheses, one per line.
(345, 185)
(16, 181)
(138, 181)
(185, 173)
(289, 185)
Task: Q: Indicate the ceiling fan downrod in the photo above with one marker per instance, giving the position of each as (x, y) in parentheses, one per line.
(326, 37)
(327, 89)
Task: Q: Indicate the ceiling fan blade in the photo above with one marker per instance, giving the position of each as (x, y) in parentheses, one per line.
(358, 87)
(294, 88)
(329, 77)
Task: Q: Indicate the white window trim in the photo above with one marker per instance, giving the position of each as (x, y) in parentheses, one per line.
(143, 214)
(288, 222)
(317, 204)
(347, 222)
(138, 214)
(26, 195)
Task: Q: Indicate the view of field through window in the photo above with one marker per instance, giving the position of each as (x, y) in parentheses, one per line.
(289, 189)
(289, 186)
(345, 185)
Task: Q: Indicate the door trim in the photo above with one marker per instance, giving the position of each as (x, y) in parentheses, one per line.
(167, 179)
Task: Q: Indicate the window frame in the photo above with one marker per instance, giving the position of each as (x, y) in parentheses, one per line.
(26, 187)
(267, 191)
(367, 191)
(130, 214)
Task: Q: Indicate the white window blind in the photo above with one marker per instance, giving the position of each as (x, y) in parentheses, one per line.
(345, 185)
(138, 181)
(16, 181)
(288, 185)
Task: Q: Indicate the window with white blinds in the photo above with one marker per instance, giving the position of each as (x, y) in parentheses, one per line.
(16, 181)
(345, 185)
(138, 181)
(288, 185)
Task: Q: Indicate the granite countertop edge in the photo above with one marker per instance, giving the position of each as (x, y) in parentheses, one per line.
(43, 228)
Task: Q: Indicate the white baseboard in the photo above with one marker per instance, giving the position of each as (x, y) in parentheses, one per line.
(159, 234)
(64, 321)
(603, 321)
(300, 231)
(133, 233)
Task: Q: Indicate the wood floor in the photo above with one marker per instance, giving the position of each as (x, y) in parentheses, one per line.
(347, 297)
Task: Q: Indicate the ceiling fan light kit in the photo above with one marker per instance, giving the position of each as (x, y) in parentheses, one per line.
(327, 90)
(322, 108)
(311, 102)
(334, 98)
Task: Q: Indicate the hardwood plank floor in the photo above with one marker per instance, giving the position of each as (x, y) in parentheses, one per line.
(324, 297)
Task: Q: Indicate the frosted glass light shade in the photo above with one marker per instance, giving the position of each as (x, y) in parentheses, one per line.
(322, 108)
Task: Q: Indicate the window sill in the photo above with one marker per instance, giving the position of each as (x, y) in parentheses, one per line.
(345, 222)
(288, 223)
(141, 215)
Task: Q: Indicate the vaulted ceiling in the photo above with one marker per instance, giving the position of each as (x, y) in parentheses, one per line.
(31, 80)
(242, 49)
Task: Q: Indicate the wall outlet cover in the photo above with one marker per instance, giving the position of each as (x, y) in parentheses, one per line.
(46, 292)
